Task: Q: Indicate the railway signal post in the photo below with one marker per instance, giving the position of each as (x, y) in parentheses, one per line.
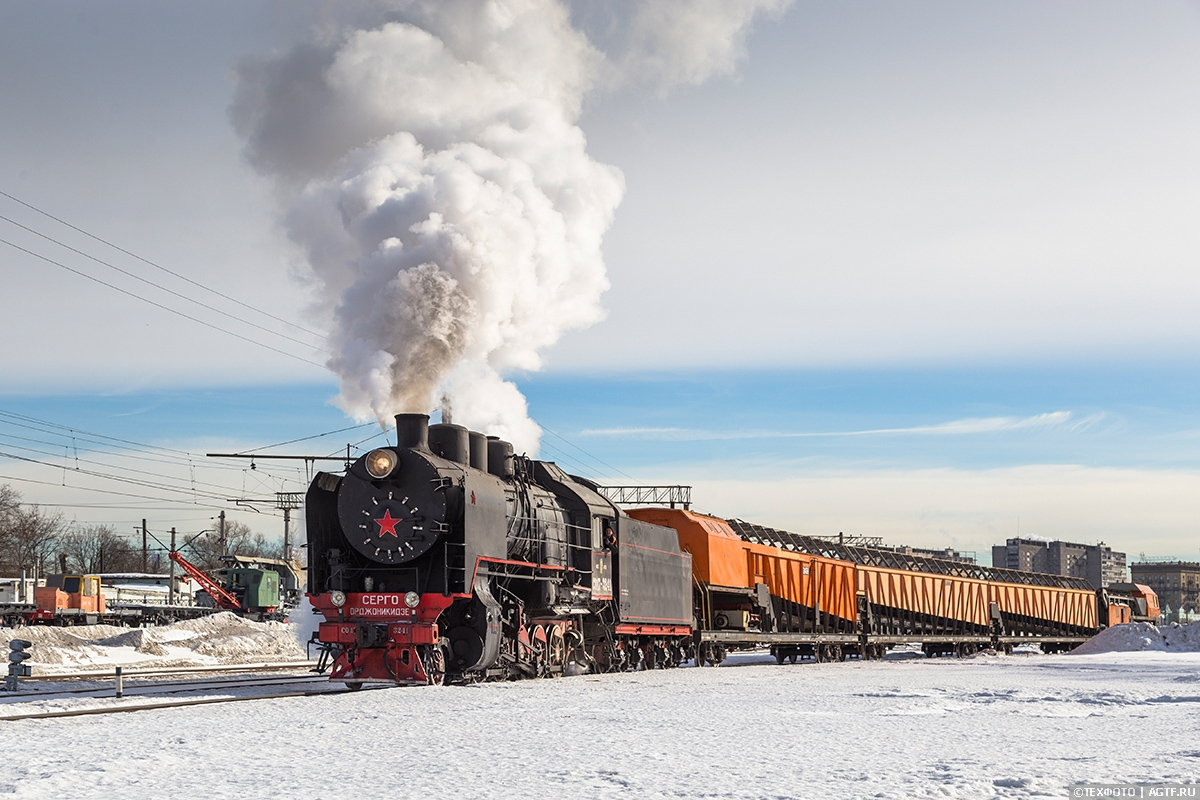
(16, 669)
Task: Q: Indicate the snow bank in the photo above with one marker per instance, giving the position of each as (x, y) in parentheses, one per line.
(1135, 636)
(222, 638)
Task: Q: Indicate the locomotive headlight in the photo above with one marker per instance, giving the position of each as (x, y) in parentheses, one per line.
(337, 598)
(380, 463)
(412, 599)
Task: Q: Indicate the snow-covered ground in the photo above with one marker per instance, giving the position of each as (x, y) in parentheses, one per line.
(989, 726)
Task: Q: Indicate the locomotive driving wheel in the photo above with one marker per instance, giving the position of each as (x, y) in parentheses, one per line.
(556, 650)
(433, 659)
(538, 649)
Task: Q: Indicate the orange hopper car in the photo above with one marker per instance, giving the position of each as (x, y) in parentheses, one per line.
(752, 594)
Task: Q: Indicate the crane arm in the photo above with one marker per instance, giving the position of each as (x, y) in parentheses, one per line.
(221, 597)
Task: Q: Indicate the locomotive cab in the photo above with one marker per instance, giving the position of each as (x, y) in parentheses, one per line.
(1128, 602)
(69, 597)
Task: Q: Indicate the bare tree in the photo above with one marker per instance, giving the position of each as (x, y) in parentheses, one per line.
(98, 549)
(10, 504)
(10, 500)
(28, 535)
(206, 550)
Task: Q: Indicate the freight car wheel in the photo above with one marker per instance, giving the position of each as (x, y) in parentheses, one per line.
(633, 655)
(678, 655)
(649, 657)
(712, 654)
(354, 686)
(779, 656)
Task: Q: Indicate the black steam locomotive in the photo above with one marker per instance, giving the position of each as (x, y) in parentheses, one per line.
(450, 557)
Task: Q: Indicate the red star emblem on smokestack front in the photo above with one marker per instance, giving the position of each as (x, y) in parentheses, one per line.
(387, 524)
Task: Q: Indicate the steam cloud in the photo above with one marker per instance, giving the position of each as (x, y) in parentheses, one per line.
(433, 173)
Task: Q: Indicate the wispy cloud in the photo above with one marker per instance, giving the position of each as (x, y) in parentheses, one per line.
(963, 426)
(637, 431)
(958, 427)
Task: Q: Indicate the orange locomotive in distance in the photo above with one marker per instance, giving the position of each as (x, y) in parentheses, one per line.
(69, 599)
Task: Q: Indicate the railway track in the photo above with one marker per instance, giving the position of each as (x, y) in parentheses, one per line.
(169, 671)
(199, 701)
(133, 688)
(143, 693)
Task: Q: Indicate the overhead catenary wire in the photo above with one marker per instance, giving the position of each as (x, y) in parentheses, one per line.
(586, 453)
(160, 287)
(113, 493)
(224, 489)
(142, 452)
(181, 491)
(120, 479)
(305, 438)
(160, 305)
(192, 493)
(153, 264)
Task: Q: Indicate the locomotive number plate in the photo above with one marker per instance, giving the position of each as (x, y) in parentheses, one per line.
(379, 605)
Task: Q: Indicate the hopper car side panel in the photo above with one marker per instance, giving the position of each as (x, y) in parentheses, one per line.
(787, 577)
(904, 603)
(1044, 610)
(808, 593)
(832, 586)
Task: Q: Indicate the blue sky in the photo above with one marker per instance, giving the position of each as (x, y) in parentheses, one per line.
(926, 271)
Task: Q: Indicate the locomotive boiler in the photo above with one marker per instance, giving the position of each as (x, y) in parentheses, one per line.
(450, 556)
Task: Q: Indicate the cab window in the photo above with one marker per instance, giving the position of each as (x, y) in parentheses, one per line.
(71, 585)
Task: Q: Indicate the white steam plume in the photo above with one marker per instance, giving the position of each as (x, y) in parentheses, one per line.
(435, 177)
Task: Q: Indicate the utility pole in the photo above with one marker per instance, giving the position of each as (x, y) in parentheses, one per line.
(171, 590)
(145, 551)
(221, 534)
(285, 502)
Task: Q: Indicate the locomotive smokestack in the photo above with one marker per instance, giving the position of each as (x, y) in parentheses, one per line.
(479, 451)
(500, 457)
(412, 430)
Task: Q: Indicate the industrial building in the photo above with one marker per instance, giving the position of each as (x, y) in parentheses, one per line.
(1177, 583)
(1096, 563)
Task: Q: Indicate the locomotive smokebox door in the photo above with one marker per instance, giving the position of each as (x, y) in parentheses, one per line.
(602, 576)
(391, 521)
